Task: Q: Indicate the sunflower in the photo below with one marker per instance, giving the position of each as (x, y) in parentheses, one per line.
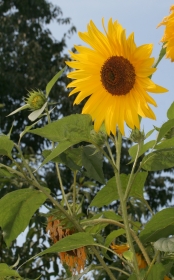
(74, 259)
(115, 74)
(168, 37)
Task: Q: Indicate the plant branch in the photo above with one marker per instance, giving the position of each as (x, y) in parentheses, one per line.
(62, 188)
(123, 203)
(71, 218)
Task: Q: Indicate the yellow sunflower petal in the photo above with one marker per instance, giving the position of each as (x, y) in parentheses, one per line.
(168, 37)
(114, 73)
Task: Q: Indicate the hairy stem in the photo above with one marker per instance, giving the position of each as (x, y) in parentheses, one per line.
(62, 189)
(123, 203)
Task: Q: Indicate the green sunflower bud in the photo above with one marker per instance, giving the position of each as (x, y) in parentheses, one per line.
(35, 100)
(98, 137)
(137, 136)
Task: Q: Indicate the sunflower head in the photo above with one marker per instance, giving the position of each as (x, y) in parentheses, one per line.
(35, 100)
(168, 38)
(114, 73)
(74, 259)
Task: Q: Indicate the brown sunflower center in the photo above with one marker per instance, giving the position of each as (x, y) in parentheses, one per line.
(117, 75)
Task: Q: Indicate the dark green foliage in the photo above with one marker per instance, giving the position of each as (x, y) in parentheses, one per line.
(29, 57)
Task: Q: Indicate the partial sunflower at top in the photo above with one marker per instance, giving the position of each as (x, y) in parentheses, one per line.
(168, 37)
(116, 74)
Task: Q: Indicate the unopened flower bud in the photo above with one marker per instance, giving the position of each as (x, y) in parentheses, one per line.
(98, 137)
(137, 136)
(36, 99)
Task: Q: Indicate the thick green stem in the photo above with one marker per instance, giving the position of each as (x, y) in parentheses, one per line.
(124, 204)
(62, 189)
(151, 265)
(74, 192)
(132, 175)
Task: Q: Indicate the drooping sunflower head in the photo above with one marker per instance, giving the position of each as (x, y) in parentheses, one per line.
(74, 259)
(114, 72)
(168, 37)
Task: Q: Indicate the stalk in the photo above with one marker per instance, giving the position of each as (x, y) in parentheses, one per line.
(123, 203)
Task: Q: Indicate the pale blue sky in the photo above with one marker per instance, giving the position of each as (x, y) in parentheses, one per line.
(140, 17)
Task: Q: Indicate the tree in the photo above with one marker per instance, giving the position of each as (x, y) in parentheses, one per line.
(29, 58)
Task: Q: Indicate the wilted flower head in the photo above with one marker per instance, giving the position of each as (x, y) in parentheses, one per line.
(168, 37)
(76, 258)
(120, 249)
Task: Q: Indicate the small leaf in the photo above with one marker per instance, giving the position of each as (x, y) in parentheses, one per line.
(53, 81)
(160, 225)
(158, 160)
(170, 112)
(93, 163)
(70, 242)
(165, 244)
(6, 271)
(35, 114)
(6, 146)
(128, 255)
(16, 210)
(149, 133)
(19, 109)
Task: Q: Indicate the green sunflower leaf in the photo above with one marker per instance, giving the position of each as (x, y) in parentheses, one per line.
(165, 144)
(74, 128)
(6, 146)
(70, 242)
(6, 271)
(71, 157)
(67, 131)
(16, 210)
(92, 160)
(157, 272)
(114, 234)
(170, 112)
(158, 160)
(160, 225)
(109, 192)
(164, 129)
(53, 81)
